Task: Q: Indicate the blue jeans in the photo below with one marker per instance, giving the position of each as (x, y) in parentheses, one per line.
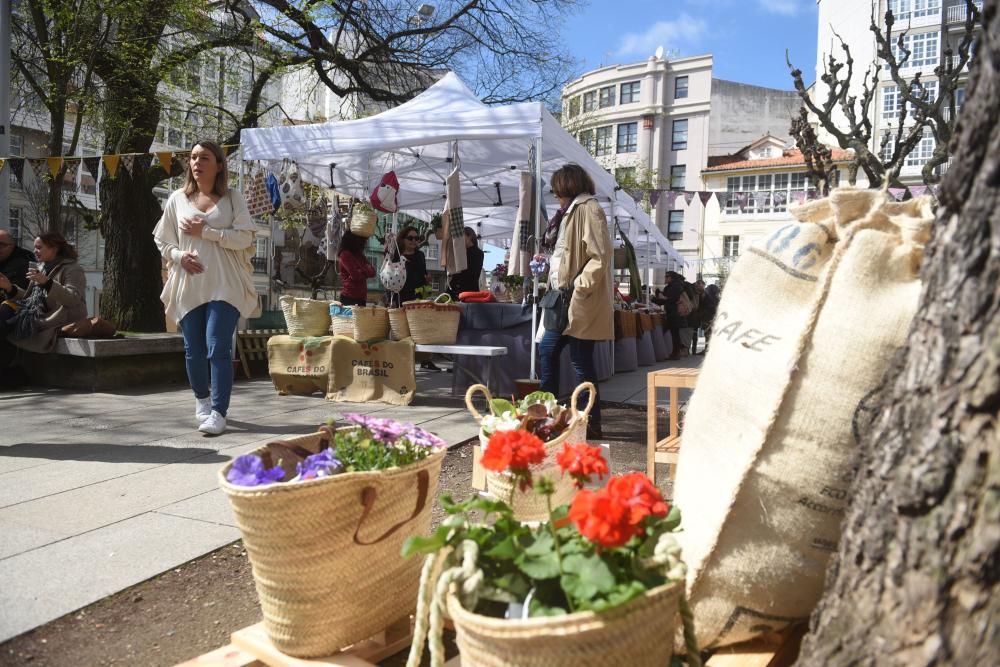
(581, 355)
(208, 341)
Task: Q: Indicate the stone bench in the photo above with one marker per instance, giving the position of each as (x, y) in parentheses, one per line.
(103, 364)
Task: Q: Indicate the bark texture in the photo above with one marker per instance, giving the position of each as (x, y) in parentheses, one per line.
(915, 579)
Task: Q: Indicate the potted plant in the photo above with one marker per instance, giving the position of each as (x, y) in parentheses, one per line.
(515, 288)
(296, 503)
(437, 226)
(600, 582)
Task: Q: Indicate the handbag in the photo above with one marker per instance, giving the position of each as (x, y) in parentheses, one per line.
(290, 187)
(392, 274)
(257, 198)
(555, 308)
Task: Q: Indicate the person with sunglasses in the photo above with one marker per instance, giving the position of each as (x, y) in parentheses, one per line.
(408, 240)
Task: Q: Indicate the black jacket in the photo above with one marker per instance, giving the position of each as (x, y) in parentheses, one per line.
(468, 280)
(16, 266)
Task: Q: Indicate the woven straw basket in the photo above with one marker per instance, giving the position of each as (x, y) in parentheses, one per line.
(637, 634)
(399, 328)
(529, 505)
(371, 323)
(433, 322)
(363, 223)
(305, 317)
(340, 324)
(326, 552)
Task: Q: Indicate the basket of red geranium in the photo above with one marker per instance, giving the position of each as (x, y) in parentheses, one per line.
(600, 583)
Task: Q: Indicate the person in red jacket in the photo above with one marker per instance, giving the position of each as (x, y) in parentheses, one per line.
(355, 270)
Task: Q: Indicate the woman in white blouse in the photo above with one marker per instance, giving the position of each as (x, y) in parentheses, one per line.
(207, 237)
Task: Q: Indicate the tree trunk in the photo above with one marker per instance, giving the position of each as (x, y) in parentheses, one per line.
(915, 581)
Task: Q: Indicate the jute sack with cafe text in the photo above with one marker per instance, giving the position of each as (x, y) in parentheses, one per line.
(380, 371)
(808, 323)
(299, 366)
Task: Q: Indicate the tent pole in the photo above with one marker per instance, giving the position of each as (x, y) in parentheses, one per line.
(539, 230)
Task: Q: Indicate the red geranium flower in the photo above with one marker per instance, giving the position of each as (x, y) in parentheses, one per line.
(514, 450)
(639, 494)
(602, 518)
(581, 461)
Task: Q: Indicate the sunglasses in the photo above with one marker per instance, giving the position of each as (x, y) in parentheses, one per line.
(412, 238)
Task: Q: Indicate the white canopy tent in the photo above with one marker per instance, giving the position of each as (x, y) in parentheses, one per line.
(415, 140)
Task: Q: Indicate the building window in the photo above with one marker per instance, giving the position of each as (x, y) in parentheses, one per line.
(779, 200)
(603, 141)
(732, 187)
(730, 246)
(588, 101)
(678, 176)
(630, 92)
(892, 102)
(628, 137)
(922, 152)
(675, 225)
(586, 140)
(680, 87)
(607, 97)
(679, 140)
(14, 221)
(574, 107)
(763, 193)
(16, 150)
(924, 50)
(903, 10)
(929, 94)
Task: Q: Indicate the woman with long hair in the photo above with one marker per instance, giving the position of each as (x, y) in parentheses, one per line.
(355, 270)
(206, 235)
(468, 280)
(55, 296)
(581, 261)
(408, 240)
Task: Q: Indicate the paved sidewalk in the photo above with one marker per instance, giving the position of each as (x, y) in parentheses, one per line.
(99, 492)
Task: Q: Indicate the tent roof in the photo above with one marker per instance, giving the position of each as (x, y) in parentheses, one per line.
(415, 139)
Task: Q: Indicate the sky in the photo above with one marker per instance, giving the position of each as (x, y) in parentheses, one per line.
(747, 38)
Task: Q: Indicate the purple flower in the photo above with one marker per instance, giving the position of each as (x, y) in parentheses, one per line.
(422, 438)
(319, 465)
(248, 470)
(386, 431)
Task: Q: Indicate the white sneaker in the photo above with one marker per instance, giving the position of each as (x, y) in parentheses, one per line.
(214, 425)
(202, 408)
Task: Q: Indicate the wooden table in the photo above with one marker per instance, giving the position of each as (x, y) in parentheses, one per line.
(667, 449)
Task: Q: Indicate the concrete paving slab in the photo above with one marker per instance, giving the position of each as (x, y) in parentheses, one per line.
(42, 585)
(211, 506)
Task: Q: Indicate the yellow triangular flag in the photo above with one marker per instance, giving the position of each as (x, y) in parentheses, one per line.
(2, 163)
(55, 164)
(111, 162)
(228, 148)
(166, 159)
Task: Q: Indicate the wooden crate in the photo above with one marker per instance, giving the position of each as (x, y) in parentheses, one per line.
(665, 450)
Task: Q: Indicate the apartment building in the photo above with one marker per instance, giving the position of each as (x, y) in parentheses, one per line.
(930, 27)
(753, 189)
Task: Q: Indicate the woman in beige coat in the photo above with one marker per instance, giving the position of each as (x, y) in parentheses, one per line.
(581, 259)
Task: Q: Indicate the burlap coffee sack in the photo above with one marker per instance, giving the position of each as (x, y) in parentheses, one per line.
(808, 323)
(382, 371)
(299, 366)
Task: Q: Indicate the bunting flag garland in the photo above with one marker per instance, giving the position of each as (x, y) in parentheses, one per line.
(635, 193)
(55, 165)
(688, 196)
(128, 163)
(780, 198)
(897, 193)
(141, 164)
(705, 197)
(93, 165)
(654, 197)
(743, 200)
(72, 166)
(228, 148)
(17, 166)
(917, 190)
(111, 163)
(2, 163)
(40, 169)
(166, 159)
(671, 197)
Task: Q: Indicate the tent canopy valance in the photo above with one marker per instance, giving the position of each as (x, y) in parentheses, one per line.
(416, 140)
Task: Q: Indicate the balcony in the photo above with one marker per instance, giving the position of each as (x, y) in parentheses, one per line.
(259, 264)
(957, 13)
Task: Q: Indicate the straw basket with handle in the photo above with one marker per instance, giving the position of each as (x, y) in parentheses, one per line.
(399, 327)
(305, 317)
(637, 633)
(371, 323)
(363, 220)
(433, 322)
(528, 505)
(325, 552)
(341, 320)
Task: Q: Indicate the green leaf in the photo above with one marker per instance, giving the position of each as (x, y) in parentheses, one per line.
(586, 576)
(621, 594)
(537, 608)
(426, 545)
(506, 549)
(502, 405)
(538, 560)
(537, 397)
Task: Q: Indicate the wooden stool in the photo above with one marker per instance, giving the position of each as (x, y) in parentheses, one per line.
(252, 346)
(666, 450)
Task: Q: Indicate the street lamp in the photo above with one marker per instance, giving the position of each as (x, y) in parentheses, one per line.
(423, 15)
